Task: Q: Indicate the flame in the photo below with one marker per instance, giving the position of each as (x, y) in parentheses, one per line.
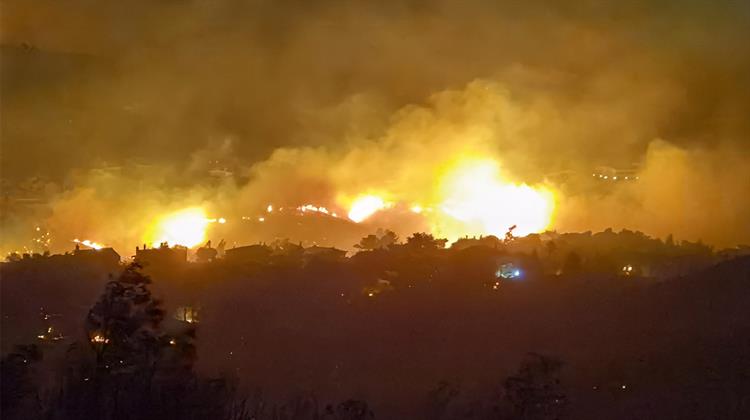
(315, 209)
(186, 227)
(477, 201)
(365, 206)
(89, 244)
(471, 197)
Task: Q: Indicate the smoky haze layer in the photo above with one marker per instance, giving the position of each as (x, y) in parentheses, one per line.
(317, 102)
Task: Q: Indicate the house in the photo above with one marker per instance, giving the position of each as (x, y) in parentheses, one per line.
(250, 253)
(161, 256)
(103, 256)
(325, 253)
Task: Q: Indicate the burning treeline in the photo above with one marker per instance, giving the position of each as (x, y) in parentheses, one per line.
(447, 119)
(437, 168)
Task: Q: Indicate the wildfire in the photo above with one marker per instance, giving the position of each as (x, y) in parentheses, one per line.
(89, 243)
(471, 198)
(186, 227)
(476, 200)
(309, 207)
(365, 206)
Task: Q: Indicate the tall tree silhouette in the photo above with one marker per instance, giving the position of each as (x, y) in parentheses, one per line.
(135, 357)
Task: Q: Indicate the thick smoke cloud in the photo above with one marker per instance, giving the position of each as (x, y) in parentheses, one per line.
(313, 102)
(695, 194)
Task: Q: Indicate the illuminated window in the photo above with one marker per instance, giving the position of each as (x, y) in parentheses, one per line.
(187, 314)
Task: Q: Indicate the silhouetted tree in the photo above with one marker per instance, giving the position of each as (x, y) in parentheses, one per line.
(138, 367)
(424, 241)
(368, 243)
(123, 325)
(382, 240)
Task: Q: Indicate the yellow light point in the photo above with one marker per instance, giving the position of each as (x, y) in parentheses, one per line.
(261, 219)
(365, 206)
(222, 220)
(269, 208)
(477, 201)
(416, 209)
(99, 339)
(186, 227)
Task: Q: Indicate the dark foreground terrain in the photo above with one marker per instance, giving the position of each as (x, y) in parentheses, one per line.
(405, 331)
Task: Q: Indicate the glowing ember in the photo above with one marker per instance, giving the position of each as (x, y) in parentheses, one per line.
(477, 201)
(89, 244)
(364, 207)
